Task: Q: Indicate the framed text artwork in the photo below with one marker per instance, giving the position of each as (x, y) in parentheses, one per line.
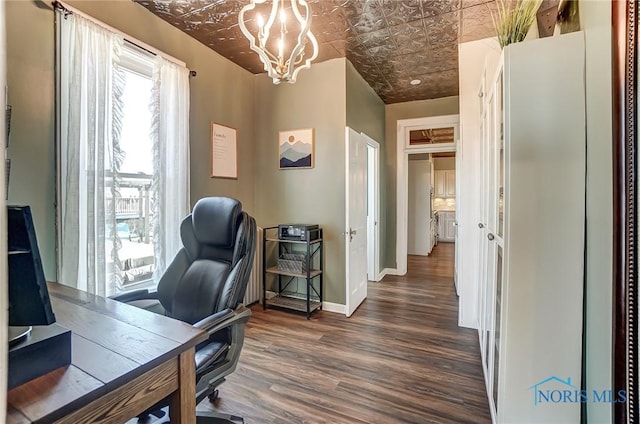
(224, 152)
(295, 149)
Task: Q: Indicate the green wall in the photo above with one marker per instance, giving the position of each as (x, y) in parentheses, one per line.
(30, 82)
(316, 195)
(365, 113)
(393, 113)
(596, 21)
(221, 92)
(365, 110)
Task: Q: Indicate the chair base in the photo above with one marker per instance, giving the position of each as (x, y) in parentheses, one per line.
(203, 417)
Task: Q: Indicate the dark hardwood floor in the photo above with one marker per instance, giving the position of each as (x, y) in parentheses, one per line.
(401, 358)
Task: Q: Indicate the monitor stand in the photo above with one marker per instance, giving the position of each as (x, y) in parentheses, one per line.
(18, 334)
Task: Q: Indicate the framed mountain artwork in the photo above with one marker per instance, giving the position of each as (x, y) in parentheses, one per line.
(296, 149)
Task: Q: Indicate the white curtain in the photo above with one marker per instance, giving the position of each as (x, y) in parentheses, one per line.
(90, 112)
(170, 136)
(90, 115)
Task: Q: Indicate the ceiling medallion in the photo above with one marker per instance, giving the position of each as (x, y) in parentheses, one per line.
(288, 59)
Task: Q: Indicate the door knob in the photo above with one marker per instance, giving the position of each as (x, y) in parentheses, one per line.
(352, 232)
(490, 236)
(480, 225)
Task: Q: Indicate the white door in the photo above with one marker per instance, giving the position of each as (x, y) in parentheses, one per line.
(356, 222)
(419, 212)
(456, 239)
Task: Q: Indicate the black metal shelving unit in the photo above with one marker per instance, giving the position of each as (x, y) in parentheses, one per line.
(312, 272)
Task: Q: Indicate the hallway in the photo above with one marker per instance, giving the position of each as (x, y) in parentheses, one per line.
(401, 358)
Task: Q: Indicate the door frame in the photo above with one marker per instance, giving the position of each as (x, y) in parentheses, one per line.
(373, 246)
(403, 150)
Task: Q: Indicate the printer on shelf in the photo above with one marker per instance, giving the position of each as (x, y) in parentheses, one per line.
(302, 232)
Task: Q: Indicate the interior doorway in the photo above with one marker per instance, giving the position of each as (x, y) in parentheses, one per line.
(437, 138)
(362, 238)
(373, 209)
(431, 213)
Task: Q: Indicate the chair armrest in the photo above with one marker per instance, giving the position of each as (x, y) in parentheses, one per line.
(142, 294)
(223, 319)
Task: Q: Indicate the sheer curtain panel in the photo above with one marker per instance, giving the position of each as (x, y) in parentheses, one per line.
(90, 112)
(102, 239)
(170, 137)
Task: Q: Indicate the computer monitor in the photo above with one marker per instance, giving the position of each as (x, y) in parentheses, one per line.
(29, 302)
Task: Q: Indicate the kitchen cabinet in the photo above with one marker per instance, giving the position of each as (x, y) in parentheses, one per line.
(446, 226)
(445, 183)
(531, 224)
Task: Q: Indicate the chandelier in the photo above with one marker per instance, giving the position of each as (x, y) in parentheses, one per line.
(282, 62)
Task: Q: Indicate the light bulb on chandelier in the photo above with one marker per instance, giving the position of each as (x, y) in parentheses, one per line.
(287, 63)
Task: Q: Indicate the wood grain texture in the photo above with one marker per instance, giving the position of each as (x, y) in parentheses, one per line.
(182, 404)
(130, 399)
(174, 330)
(122, 363)
(401, 358)
(49, 393)
(15, 417)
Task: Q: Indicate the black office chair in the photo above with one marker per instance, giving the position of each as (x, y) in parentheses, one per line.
(205, 285)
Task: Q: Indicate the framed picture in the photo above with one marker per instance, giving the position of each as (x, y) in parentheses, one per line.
(296, 149)
(224, 152)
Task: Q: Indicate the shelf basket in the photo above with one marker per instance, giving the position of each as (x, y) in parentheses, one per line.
(293, 262)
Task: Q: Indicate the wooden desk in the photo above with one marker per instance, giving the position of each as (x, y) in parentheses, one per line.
(124, 360)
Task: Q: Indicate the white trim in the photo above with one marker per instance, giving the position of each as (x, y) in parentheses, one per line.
(402, 177)
(376, 209)
(334, 307)
(127, 37)
(385, 272)
(347, 262)
(390, 271)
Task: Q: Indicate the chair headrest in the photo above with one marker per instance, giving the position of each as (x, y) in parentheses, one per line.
(215, 220)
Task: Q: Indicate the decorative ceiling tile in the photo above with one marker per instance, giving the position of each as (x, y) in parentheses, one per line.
(410, 30)
(398, 12)
(438, 7)
(326, 51)
(477, 22)
(470, 3)
(389, 42)
(442, 29)
(380, 37)
(406, 46)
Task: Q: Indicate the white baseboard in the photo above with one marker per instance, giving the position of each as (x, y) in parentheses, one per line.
(387, 271)
(334, 307)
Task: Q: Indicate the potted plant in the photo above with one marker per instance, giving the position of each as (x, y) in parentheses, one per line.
(513, 19)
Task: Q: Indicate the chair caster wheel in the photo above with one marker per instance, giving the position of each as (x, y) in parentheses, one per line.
(214, 395)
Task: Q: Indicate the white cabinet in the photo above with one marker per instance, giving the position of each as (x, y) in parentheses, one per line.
(445, 183)
(531, 222)
(450, 183)
(446, 226)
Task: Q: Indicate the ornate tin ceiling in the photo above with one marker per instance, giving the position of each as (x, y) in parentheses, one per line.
(390, 42)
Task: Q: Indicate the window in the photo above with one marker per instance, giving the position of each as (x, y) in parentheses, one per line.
(133, 204)
(123, 166)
